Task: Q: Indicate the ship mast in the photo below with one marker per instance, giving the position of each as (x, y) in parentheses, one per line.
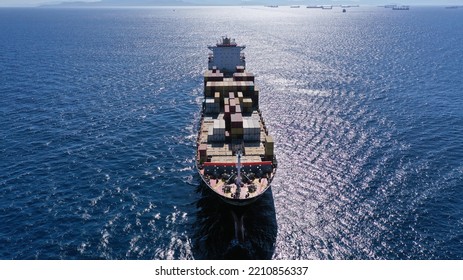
(238, 169)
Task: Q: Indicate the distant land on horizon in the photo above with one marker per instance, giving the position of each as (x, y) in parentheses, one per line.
(102, 3)
(156, 3)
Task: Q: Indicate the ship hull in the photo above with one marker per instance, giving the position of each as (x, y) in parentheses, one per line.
(235, 153)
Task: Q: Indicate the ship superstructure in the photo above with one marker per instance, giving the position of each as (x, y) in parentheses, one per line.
(235, 153)
(226, 56)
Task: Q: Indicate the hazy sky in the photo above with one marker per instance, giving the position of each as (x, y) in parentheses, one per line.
(19, 3)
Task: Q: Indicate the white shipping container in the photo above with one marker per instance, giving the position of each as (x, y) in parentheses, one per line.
(251, 129)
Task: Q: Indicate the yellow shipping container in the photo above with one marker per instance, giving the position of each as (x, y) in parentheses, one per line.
(269, 146)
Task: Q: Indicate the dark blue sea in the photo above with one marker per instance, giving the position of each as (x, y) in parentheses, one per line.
(99, 111)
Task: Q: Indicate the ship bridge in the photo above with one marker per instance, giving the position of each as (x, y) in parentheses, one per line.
(226, 56)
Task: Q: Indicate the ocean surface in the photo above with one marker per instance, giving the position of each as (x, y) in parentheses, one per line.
(99, 112)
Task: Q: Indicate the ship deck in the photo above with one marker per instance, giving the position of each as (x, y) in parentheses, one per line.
(219, 186)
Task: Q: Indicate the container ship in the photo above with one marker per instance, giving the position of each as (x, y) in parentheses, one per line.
(235, 153)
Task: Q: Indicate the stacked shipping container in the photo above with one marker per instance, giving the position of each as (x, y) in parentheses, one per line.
(211, 107)
(236, 98)
(216, 132)
(251, 129)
